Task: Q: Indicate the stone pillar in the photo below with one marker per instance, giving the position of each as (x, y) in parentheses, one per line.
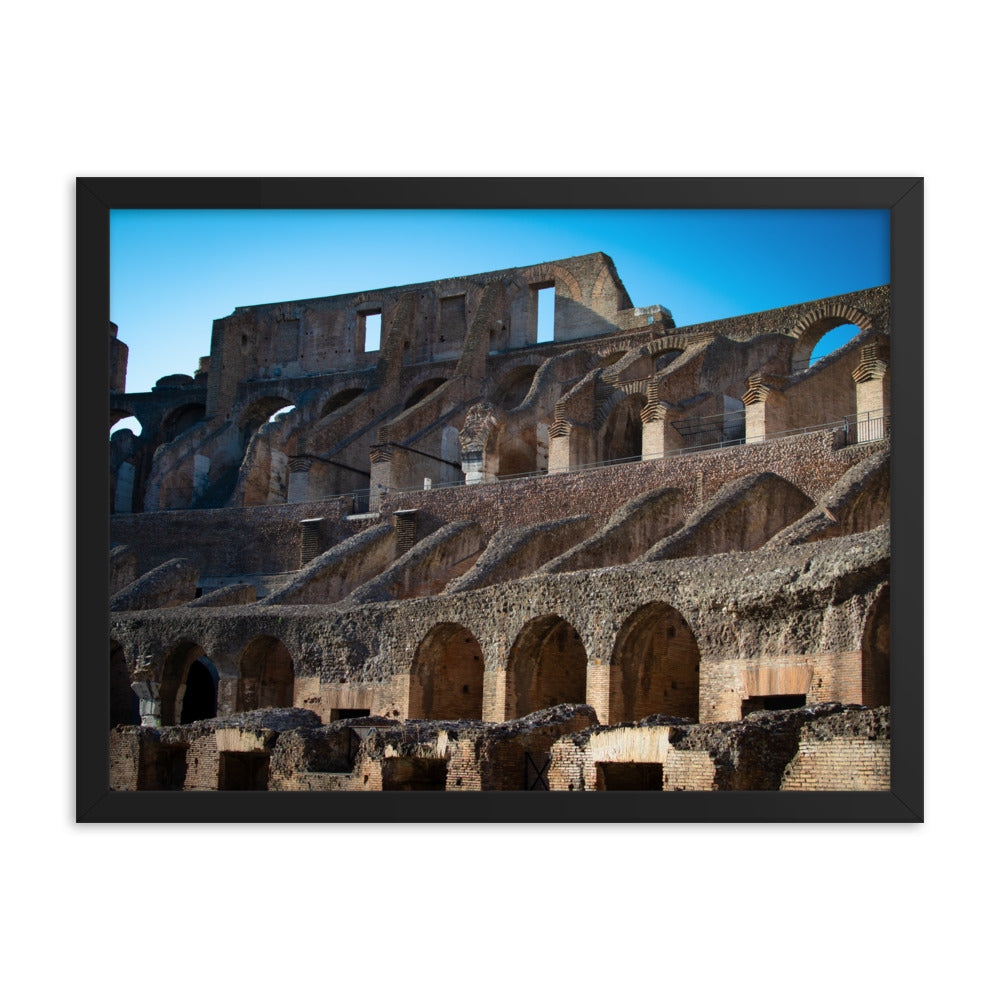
(472, 467)
(871, 379)
(495, 696)
(766, 408)
(381, 456)
(148, 693)
(599, 689)
(298, 479)
(202, 464)
(658, 435)
(568, 446)
(123, 489)
(276, 488)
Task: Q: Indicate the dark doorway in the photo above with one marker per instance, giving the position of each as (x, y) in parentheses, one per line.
(243, 772)
(170, 768)
(414, 774)
(200, 694)
(773, 703)
(630, 777)
(348, 713)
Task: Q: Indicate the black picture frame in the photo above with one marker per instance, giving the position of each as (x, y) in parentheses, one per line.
(903, 197)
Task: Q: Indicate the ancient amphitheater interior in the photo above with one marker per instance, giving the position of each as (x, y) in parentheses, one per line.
(469, 555)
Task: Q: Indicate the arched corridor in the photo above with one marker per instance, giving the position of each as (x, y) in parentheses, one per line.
(548, 666)
(654, 666)
(875, 654)
(621, 437)
(187, 665)
(446, 679)
(267, 678)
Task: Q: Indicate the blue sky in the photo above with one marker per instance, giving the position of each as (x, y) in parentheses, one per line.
(173, 272)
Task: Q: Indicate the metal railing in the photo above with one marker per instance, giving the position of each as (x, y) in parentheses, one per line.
(862, 428)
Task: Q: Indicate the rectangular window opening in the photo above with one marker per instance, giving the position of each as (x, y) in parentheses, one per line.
(372, 327)
(546, 327)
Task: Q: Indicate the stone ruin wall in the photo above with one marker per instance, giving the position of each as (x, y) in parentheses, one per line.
(789, 620)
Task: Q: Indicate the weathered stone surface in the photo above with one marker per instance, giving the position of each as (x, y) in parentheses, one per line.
(168, 585)
(742, 563)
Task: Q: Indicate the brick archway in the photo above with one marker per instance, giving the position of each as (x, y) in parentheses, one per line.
(811, 328)
(654, 666)
(266, 675)
(875, 653)
(446, 677)
(547, 666)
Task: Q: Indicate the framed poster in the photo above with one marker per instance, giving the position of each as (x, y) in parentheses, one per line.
(470, 515)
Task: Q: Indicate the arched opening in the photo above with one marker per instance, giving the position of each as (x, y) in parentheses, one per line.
(124, 701)
(547, 666)
(180, 420)
(817, 336)
(423, 390)
(513, 386)
(267, 676)
(124, 422)
(875, 654)
(654, 666)
(832, 340)
(177, 670)
(518, 455)
(336, 401)
(665, 358)
(258, 413)
(278, 414)
(201, 691)
(622, 436)
(608, 360)
(446, 679)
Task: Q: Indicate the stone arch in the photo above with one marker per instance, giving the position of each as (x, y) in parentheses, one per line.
(621, 434)
(610, 357)
(566, 282)
(174, 679)
(257, 412)
(117, 414)
(124, 701)
(547, 666)
(423, 390)
(817, 322)
(513, 386)
(875, 653)
(654, 666)
(340, 399)
(663, 359)
(516, 454)
(179, 420)
(446, 677)
(266, 675)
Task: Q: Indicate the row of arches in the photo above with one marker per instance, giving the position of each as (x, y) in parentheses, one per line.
(189, 682)
(654, 669)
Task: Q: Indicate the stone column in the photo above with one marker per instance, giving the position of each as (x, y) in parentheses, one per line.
(148, 693)
(658, 435)
(599, 689)
(495, 696)
(568, 446)
(871, 379)
(766, 408)
(298, 479)
(381, 456)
